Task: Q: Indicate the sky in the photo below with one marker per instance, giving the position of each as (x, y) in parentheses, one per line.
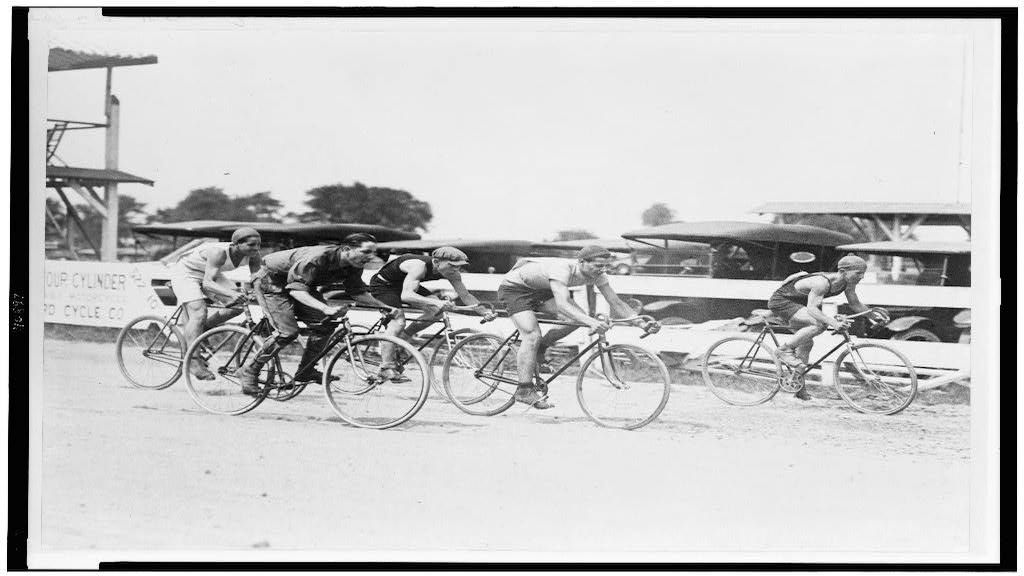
(519, 129)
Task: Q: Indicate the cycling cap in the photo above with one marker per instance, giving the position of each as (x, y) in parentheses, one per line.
(591, 252)
(242, 233)
(358, 239)
(850, 262)
(451, 254)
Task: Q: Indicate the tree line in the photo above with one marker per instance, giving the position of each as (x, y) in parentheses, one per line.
(333, 203)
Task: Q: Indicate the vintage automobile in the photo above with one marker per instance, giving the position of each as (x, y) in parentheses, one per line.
(485, 256)
(276, 236)
(935, 314)
(723, 270)
(626, 253)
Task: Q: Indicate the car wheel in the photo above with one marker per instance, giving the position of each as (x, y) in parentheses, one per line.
(917, 335)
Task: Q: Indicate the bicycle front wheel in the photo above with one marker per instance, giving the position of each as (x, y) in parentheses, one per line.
(225, 349)
(623, 386)
(149, 352)
(439, 355)
(480, 375)
(363, 396)
(875, 379)
(741, 370)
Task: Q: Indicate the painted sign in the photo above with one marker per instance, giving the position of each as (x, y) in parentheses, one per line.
(97, 293)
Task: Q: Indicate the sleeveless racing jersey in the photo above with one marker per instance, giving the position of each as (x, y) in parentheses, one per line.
(789, 292)
(391, 275)
(194, 264)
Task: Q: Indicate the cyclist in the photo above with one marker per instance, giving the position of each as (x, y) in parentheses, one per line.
(798, 302)
(286, 289)
(543, 286)
(200, 274)
(398, 282)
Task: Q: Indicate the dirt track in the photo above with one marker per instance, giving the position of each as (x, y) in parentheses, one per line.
(125, 468)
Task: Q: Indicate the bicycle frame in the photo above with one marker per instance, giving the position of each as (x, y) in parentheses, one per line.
(157, 353)
(506, 346)
(767, 330)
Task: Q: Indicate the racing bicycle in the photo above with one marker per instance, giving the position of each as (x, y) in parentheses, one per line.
(871, 377)
(150, 348)
(353, 383)
(617, 386)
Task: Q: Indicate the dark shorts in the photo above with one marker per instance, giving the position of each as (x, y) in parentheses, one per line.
(518, 299)
(392, 295)
(784, 308)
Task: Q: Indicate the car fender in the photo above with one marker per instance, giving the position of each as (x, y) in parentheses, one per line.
(661, 305)
(905, 323)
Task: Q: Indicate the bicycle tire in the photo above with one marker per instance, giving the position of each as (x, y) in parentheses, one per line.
(475, 394)
(723, 372)
(134, 376)
(439, 355)
(361, 398)
(231, 346)
(648, 387)
(862, 380)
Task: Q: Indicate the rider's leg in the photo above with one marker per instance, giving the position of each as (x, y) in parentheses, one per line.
(521, 305)
(395, 328)
(430, 315)
(318, 336)
(195, 314)
(553, 335)
(280, 309)
(218, 316)
(806, 328)
(195, 324)
(529, 337)
(799, 347)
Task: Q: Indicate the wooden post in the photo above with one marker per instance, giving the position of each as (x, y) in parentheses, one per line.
(109, 242)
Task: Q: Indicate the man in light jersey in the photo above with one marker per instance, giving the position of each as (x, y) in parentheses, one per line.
(543, 286)
(798, 302)
(398, 282)
(200, 274)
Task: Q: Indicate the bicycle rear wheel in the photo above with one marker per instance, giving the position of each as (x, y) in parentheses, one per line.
(149, 352)
(362, 397)
(741, 370)
(225, 349)
(623, 386)
(480, 375)
(875, 379)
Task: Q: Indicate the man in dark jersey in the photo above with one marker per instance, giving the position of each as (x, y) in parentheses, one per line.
(798, 302)
(286, 290)
(398, 282)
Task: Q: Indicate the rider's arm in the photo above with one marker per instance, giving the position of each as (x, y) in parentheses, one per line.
(619, 309)
(567, 306)
(854, 300)
(455, 279)
(819, 287)
(367, 299)
(210, 285)
(415, 271)
(304, 297)
(255, 263)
